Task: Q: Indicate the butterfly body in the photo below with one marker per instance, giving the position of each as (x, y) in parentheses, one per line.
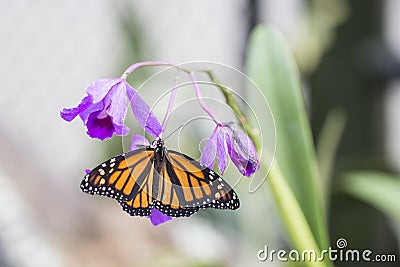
(154, 177)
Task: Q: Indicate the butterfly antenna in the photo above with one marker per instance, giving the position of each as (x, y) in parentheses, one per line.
(184, 124)
(180, 126)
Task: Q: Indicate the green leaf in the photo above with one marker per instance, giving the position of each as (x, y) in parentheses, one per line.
(293, 218)
(271, 66)
(327, 146)
(378, 189)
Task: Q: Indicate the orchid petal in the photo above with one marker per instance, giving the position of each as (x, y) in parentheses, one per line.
(100, 128)
(222, 150)
(243, 153)
(139, 141)
(97, 107)
(142, 113)
(69, 114)
(209, 151)
(117, 108)
(100, 88)
(156, 217)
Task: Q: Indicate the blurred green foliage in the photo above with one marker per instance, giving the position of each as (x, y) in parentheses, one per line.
(379, 189)
(271, 66)
(296, 171)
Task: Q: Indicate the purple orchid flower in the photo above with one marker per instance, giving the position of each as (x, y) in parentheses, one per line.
(227, 140)
(103, 110)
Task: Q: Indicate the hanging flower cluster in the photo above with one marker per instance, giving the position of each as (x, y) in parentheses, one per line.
(104, 108)
(227, 140)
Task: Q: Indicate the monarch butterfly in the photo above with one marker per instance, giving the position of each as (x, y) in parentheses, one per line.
(154, 177)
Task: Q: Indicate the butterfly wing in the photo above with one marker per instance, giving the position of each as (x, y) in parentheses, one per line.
(121, 177)
(198, 185)
(180, 188)
(141, 205)
(183, 186)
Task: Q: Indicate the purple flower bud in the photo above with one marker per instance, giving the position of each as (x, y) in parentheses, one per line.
(243, 152)
(227, 140)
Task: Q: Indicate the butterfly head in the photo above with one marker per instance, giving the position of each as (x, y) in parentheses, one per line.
(157, 144)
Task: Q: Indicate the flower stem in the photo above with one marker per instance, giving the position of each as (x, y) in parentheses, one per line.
(252, 132)
(200, 98)
(230, 100)
(139, 65)
(171, 101)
